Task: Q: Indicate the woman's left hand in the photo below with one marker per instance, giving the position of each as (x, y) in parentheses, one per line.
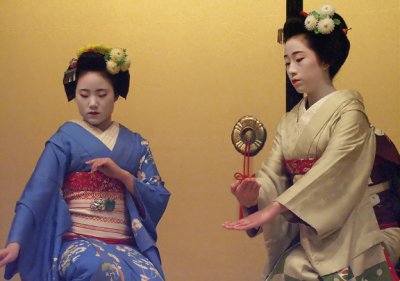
(257, 219)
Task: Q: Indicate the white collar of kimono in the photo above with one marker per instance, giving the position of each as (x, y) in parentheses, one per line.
(108, 137)
(305, 115)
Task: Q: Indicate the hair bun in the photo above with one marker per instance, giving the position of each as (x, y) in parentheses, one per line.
(112, 62)
(325, 32)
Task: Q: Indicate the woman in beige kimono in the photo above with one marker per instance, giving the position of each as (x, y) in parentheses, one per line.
(316, 216)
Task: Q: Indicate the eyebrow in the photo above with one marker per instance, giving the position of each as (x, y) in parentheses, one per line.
(97, 90)
(294, 53)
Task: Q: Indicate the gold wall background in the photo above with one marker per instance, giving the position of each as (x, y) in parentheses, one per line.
(198, 66)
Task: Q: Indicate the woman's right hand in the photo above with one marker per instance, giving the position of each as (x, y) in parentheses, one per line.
(246, 191)
(9, 253)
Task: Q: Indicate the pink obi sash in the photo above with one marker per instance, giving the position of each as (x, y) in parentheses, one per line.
(97, 207)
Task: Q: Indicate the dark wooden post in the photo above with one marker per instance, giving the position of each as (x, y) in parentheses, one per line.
(293, 8)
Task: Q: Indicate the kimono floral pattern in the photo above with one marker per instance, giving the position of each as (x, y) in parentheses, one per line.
(145, 161)
(136, 226)
(113, 261)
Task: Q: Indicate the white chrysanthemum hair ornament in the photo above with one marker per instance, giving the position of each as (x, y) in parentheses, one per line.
(114, 62)
(322, 21)
(117, 60)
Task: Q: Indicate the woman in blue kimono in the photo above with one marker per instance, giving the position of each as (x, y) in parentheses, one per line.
(91, 207)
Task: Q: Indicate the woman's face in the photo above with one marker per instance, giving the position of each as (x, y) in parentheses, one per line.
(95, 99)
(304, 68)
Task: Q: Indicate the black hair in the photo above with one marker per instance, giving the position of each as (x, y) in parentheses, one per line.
(91, 61)
(332, 48)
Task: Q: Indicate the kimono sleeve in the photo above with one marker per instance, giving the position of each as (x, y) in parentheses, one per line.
(150, 192)
(40, 217)
(44, 183)
(325, 196)
(272, 176)
(273, 180)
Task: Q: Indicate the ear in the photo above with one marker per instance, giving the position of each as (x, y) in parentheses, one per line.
(325, 66)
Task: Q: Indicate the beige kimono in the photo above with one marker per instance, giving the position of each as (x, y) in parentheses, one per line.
(338, 219)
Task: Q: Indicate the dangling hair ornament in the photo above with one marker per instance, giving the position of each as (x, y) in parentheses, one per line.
(321, 21)
(70, 73)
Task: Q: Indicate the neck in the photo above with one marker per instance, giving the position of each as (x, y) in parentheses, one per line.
(102, 126)
(321, 91)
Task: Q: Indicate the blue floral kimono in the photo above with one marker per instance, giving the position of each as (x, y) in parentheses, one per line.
(42, 215)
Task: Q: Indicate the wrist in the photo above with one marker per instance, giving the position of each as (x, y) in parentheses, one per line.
(252, 209)
(249, 205)
(14, 245)
(127, 179)
(278, 207)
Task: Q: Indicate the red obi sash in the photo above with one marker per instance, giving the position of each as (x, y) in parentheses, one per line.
(97, 207)
(96, 181)
(299, 166)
